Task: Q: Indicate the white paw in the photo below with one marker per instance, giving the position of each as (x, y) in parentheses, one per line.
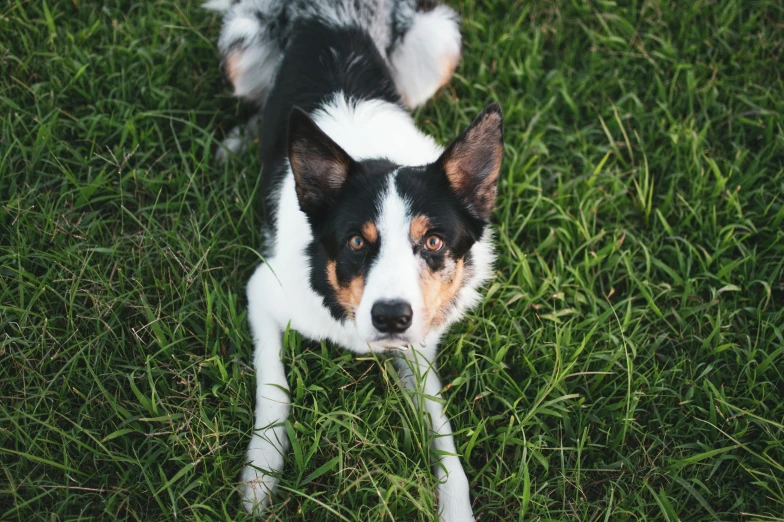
(456, 511)
(256, 489)
(454, 499)
(263, 457)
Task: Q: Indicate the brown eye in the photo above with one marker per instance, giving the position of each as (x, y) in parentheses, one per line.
(434, 243)
(356, 242)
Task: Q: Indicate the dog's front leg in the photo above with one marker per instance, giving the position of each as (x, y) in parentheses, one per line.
(418, 373)
(269, 441)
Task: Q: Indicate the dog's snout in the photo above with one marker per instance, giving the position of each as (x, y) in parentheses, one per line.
(391, 316)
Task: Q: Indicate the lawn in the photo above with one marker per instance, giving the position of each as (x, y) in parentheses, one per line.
(627, 362)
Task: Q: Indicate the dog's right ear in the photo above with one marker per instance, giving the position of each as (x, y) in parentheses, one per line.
(473, 161)
(319, 165)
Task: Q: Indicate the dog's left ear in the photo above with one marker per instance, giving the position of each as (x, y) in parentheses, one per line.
(319, 165)
(472, 162)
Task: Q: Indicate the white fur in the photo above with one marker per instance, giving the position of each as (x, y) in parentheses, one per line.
(219, 6)
(395, 274)
(376, 129)
(427, 56)
(279, 294)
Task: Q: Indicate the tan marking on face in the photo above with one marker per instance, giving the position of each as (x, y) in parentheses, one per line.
(439, 289)
(349, 295)
(232, 66)
(419, 227)
(370, 232)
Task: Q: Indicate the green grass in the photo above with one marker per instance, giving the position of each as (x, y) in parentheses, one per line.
(626, 364)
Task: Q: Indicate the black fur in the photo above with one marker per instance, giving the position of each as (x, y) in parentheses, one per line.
(314, 68)
(355, 205)
(320, 166)
(430, 195)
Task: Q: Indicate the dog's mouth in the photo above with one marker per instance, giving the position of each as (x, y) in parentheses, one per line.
(391, 342)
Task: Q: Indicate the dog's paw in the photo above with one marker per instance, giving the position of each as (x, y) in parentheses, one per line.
(256, 489)
(459, 511)
(454, 498)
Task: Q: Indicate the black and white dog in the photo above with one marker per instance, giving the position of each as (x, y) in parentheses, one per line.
(376, 238)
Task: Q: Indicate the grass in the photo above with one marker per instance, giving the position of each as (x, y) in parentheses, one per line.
(626, 364)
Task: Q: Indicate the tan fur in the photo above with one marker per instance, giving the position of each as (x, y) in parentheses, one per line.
(479, 151)
(370, 232)
(349, 295)
(448, 66)
(419, 227)
(439, 289)
(232, 66)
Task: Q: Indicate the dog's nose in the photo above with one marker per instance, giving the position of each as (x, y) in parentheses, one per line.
(391, 316)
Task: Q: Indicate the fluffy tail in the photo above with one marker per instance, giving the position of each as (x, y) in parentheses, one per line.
(426, 56)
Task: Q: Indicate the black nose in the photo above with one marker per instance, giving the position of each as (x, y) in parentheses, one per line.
(391, 316)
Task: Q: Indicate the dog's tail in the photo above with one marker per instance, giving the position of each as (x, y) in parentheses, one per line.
(427, 51)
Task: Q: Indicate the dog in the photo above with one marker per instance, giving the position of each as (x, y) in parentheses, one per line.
(376, 238)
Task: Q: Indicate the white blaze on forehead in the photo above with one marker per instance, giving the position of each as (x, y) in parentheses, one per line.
(395, 271)
(395, 267)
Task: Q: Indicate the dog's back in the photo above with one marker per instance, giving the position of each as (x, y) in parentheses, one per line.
(320, 62)
(418, 39)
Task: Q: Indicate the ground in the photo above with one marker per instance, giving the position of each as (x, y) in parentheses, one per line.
(627, 362)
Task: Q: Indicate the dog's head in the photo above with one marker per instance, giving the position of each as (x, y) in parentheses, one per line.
(392, 245)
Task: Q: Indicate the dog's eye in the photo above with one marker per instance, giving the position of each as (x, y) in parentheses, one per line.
(356, 242)
(434, 243)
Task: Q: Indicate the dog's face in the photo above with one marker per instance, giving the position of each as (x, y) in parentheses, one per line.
(391, 247)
